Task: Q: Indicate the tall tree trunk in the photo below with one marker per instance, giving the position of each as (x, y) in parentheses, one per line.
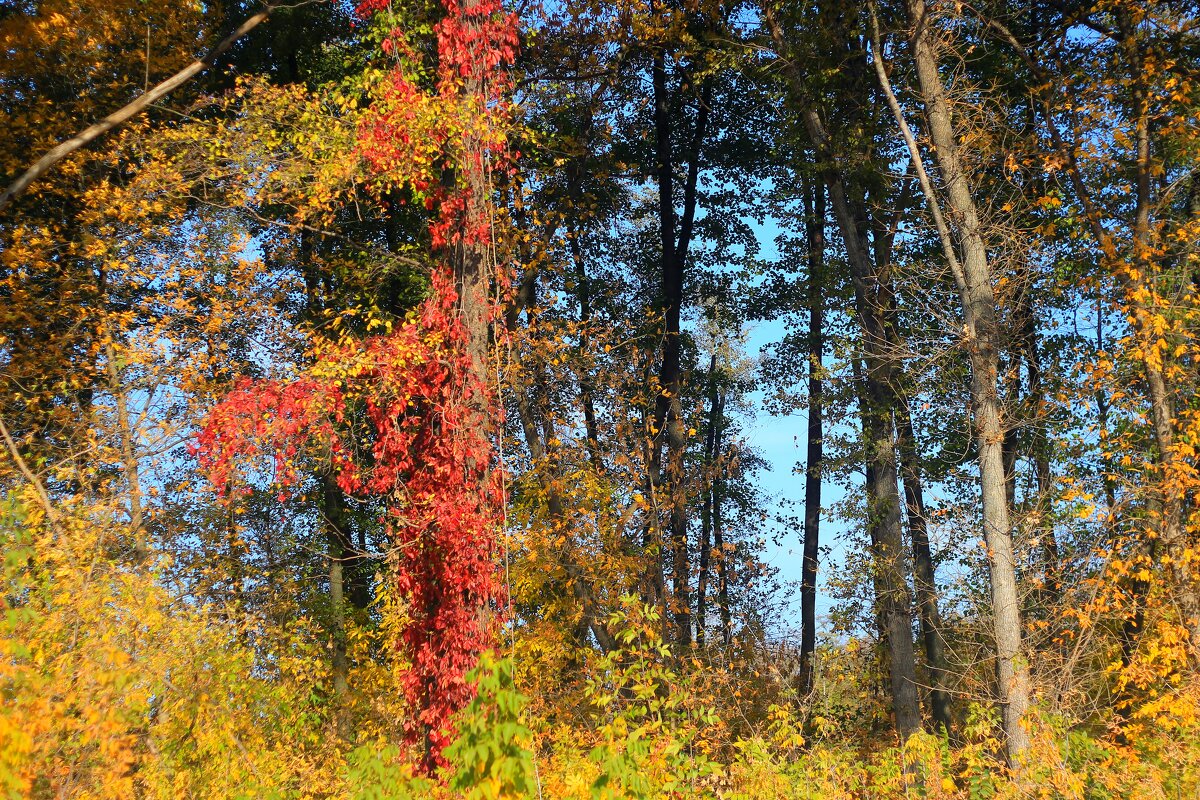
(473, 268)
(715, 497)
(814, 202)
(1162, 414)
(892, 600)
(882, 522)
(129, 460)
(334, 510)
(675, 240)
(718, 521)
(668, 412)
(882, 485)
(706, 506)
(883, 493)
(1040, 451)
(923, 569)
(983, 343)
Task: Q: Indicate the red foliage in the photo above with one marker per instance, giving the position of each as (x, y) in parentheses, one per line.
(412, 138)
(431, 461)
(476, 40)
(280, 415)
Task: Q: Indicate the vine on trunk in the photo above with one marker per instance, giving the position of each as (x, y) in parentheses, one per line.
(431, 457)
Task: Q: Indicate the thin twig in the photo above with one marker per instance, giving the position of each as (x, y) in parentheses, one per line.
(38, 487)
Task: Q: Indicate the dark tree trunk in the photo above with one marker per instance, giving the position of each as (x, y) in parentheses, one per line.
(814, 201)
(348, 576)
(724, 568)
(706, 507)
(334, 511)
(883, 488)
(923, 569)
(718, 557)
(675, 234)
(893, 603)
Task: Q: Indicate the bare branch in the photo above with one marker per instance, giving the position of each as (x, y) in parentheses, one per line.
(23, 467)
(132, 109)
(935, 209)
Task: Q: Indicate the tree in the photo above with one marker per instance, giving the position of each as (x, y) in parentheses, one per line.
(868, 246)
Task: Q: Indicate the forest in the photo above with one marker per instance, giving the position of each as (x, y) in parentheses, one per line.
(598, 399)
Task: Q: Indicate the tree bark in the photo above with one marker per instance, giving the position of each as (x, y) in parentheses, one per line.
(983, 341)
(723, 566)
(334, 511)
(887, 545)
(924, 576)
(706, 506)
(883, 495)
(882, 485)
(814, 201)
(893, 616)
(674, 240)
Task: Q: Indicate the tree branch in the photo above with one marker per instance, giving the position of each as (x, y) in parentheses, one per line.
(23, 467)
(124, 114)
(931, 200)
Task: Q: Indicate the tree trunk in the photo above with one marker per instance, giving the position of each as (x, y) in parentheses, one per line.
(723, 566)
(887, 550)
(706, 507)
(129, 460)
(1162, 414)
(667, 405)
(334, 511)
(923, 569)
(883, 494)
(1040, 451)
(814, 200)
(893, 603)
(980, 317)
(675, 240)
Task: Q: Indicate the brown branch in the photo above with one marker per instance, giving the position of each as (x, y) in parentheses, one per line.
(124, 114)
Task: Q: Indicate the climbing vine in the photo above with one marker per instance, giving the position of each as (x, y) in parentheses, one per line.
(430, 456)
